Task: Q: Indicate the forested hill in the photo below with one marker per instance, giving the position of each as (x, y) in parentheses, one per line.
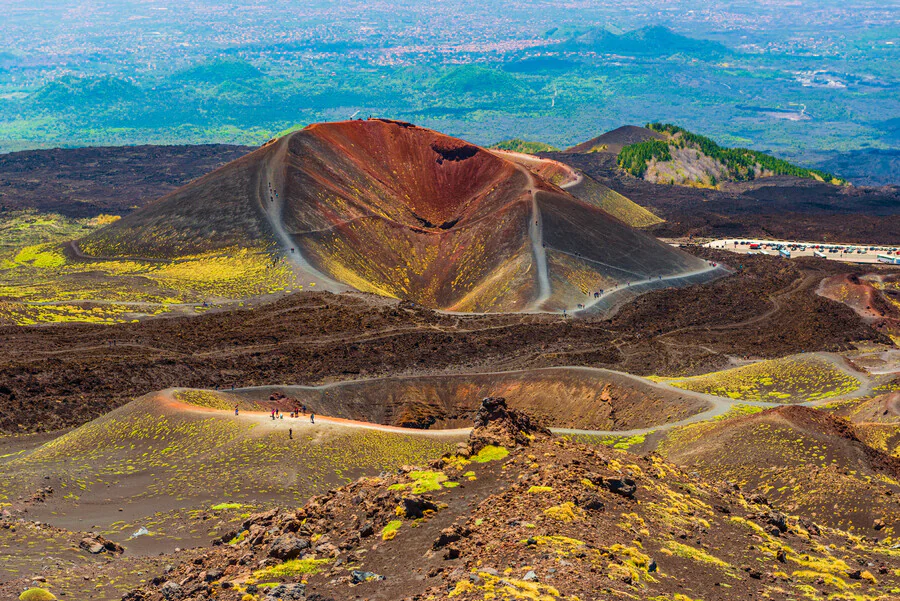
(686, 158)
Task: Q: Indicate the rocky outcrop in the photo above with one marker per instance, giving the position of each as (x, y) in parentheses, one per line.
(97, 544)
(496, 424)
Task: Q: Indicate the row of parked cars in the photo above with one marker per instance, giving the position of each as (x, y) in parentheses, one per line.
(830, 248)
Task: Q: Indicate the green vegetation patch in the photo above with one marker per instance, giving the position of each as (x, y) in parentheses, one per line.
(41, 283)
(623, 442)
(524, 146)
(741, 164)
(226, 506)
(635, 158)
(739, 411)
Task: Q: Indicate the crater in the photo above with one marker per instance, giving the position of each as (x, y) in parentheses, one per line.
(458, 153)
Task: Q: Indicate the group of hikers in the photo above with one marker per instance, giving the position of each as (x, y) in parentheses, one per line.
(279, 414)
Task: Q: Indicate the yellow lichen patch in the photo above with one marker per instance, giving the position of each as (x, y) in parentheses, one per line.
(539, 489)
(294, 567)
(490, 453)
(215, 400)
(790, 379)
(562, 545)
(630, 561)
(688, 552)
(389, 532)
(812, 576)
(811, 563)
(681, 510)
(504, 587)
(42, 285)
(566, 512)
(424, 481)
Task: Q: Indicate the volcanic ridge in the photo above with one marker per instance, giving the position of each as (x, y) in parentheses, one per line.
(401, 211)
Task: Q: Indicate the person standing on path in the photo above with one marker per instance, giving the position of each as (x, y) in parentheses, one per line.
(312, 418)
(290, 434)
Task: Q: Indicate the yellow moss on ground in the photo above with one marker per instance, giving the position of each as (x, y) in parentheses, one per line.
(497, 587)
(291, 568)
(389, 532)
(688, 552)
(424, 481)
(566, 512)
(790, 379)
(42, 285)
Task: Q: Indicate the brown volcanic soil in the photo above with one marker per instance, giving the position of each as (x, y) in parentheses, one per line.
(777, 207)
(802, 459)
(857, 291)
(84, 182)
(883, 409)
(52, 377)
(554, 519)
(876, 420)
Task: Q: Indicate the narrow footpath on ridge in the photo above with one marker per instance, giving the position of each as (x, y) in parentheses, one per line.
(718, 406)
(270, 195)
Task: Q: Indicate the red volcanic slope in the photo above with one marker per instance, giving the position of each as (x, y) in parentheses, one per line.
(391, 208)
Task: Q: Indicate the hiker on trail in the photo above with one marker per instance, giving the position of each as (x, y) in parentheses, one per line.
(291, 433)
(273, 415)
(312, 418)
(303, 409)
(235, 409)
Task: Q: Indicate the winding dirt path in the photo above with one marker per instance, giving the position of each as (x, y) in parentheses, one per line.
(536, 234)
(270, 196)
(263, 418)
(619, 289)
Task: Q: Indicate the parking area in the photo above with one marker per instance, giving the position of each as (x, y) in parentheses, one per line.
(851, 253)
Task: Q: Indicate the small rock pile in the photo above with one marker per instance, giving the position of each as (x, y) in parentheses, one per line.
(496, 424)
